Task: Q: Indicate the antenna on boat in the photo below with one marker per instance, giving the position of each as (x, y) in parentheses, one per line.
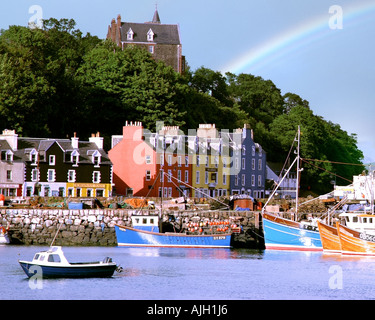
(54, 238)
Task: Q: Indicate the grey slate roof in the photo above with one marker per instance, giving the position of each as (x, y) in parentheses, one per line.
(163, 33)
(85, 148)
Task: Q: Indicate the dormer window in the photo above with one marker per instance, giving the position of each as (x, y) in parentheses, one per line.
(95, 157)
(150, 35)
(74, 157)
(7, 155)
(130, 34)
(34, 157)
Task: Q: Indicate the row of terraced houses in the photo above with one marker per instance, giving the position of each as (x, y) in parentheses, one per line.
(205, 162)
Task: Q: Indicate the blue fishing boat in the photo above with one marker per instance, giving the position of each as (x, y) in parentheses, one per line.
(286, 234)
(145, 233)
(53, 264)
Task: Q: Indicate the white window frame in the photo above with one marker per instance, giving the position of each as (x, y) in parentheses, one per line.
(96, 177)
(148, 175)
(130, 34)
(52, 160)
(35, 175)
(71, 176)
(51, 175)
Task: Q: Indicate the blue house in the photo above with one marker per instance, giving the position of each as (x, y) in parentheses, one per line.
(248, 172)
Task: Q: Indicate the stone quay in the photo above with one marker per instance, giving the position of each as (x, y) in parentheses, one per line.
(95, 227)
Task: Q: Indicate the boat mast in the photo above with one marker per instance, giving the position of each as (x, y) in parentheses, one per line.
(298, 170)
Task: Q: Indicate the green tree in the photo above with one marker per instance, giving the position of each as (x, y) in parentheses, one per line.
(129, 84)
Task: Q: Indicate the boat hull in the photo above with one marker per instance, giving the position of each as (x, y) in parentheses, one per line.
(72, 271)
(284, 234)
(127, 236)
(329, 237)
(354, 242)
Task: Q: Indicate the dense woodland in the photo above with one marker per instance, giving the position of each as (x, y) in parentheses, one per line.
(56, 81)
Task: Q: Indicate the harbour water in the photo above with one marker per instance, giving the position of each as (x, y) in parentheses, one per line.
(196, 274)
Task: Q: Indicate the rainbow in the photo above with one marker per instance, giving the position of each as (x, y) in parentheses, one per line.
(294, 38)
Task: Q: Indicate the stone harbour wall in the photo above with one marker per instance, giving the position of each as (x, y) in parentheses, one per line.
(95, 227)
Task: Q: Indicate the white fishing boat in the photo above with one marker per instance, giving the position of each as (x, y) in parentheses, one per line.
(53, 264)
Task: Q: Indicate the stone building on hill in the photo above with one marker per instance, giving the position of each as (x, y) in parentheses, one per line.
(161, 40)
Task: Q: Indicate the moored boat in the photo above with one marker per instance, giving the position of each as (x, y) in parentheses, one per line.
(145, 233)
(354, 242)
(53, 264)
(329, 237)
(285, 234)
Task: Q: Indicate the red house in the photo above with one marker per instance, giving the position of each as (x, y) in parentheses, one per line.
(150, 164)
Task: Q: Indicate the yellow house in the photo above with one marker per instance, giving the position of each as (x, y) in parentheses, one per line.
(211, 164)
(89, 189)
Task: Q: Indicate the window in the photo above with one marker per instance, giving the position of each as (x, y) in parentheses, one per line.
(187, 176)
(9, 175)
(75, 158)
(243, 163)
(170, 192)
(207, 161)
(224, 179)
(253, 151)
(179, 161)
(206, 177)
(197, 177)
(169, 160)
(179, 175)
(253, 180)
(52, 160)
(243, 150)
(243, 180)
(35, 175)
(236, 163)
(148, 175)
(7, 156)
(70, 192)
(197, 161)
(150, 35)
(186, 161)
(259, 181)
(51, 175)
(33, 157)
(130, 34)
(253, 164)
(161, 175)
(169, 175)
(260, 164)
(96, 177)
(148, 159)
(71, 176)
(99, 192)
(151, 49)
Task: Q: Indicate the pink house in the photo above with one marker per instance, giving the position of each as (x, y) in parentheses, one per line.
(150, 167)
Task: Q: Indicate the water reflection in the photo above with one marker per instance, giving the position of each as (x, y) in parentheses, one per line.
(196, 253)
